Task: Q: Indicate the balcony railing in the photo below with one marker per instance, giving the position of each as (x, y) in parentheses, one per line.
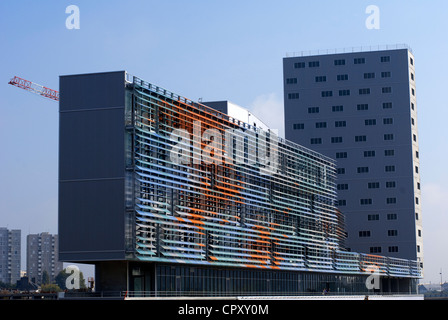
(348, 50)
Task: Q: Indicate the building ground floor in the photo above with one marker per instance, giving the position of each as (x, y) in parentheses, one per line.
(165, 280)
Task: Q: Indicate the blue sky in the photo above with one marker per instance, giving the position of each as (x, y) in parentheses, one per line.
(213, 50)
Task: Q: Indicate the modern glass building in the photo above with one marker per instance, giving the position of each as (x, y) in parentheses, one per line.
(169, 196)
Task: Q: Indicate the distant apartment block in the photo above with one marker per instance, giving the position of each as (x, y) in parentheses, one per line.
(42, 255)
(10, 260)
(360, 109)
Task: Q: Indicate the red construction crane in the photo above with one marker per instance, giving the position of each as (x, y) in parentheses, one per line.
(35, 88)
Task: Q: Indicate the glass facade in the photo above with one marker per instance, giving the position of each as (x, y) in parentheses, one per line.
(203, 281)
(186, 280)
(211, 197)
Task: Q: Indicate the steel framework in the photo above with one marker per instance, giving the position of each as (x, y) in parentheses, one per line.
(35, 88)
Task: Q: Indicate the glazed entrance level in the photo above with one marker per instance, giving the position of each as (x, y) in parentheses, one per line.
(180, 280)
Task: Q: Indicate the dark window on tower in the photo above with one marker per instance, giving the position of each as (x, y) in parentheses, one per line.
(392, 233)
(336, 139)
(391, 200)
(364, 91)
(292, 96)
(363, 169)
(373, 185)
(390, 184)
(337, 108)
(389, 168)
(362, 106)
(392, 216)
(375, 249)
(364, 202)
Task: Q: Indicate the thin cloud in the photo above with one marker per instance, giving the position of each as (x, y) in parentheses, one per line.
(269, 108)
